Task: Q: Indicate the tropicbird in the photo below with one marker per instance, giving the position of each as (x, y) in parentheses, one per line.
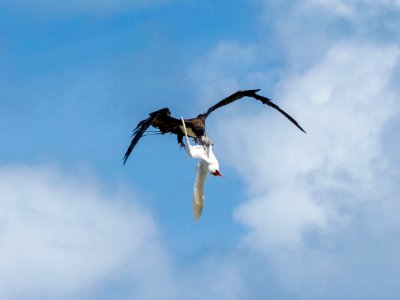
(208, 164)
(162, 120)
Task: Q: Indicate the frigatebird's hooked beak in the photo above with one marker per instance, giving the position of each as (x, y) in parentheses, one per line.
(216, 173)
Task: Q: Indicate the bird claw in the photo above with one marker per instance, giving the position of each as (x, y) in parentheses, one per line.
(182, 145)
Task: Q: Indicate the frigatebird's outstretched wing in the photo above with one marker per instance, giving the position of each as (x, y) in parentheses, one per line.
(236, 96)
(251, 93)
(137, 134)
(267, 101)
(142, 127)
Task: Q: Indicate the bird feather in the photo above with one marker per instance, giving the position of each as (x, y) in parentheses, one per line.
(198, 196)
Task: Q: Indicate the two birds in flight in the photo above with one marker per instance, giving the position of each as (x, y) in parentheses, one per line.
(196, 129)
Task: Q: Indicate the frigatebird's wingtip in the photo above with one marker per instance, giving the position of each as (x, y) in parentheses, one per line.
(248, 93)
(301, 128)
(126, 156)
(297, 125)
(253, 91)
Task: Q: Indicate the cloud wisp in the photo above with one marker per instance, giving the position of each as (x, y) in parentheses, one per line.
(64, 237)
(355, 8)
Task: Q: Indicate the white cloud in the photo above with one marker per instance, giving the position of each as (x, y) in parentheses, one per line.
(321, 10)
(307, 193)
(321, 208)
(65, 237)
(355, 8)
(304, 31)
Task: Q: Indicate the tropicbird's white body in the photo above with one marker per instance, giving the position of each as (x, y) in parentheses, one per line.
(208, 164)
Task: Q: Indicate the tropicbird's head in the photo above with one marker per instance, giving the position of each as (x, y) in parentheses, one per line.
(213, 169)
(213, 165)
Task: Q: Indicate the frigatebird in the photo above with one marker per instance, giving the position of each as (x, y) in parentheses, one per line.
(208, 164)
(162, 120)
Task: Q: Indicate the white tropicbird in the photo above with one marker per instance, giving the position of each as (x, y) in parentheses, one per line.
(208, 164)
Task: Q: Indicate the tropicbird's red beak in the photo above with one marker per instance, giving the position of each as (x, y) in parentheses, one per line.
(217, 173)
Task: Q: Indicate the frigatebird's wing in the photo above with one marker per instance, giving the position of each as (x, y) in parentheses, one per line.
(198, 196)
(251, 93)
(267, 101)
(137, 134)
(142, 127)
(236, 96)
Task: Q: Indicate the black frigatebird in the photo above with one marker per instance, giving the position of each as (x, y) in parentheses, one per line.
(162, 120)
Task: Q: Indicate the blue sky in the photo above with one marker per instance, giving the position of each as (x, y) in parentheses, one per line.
(295, 216)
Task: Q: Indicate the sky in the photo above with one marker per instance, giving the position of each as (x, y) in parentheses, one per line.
(296, 216)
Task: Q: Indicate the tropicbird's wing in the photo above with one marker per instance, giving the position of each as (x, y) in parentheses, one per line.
(198, 196)
(196, 151)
